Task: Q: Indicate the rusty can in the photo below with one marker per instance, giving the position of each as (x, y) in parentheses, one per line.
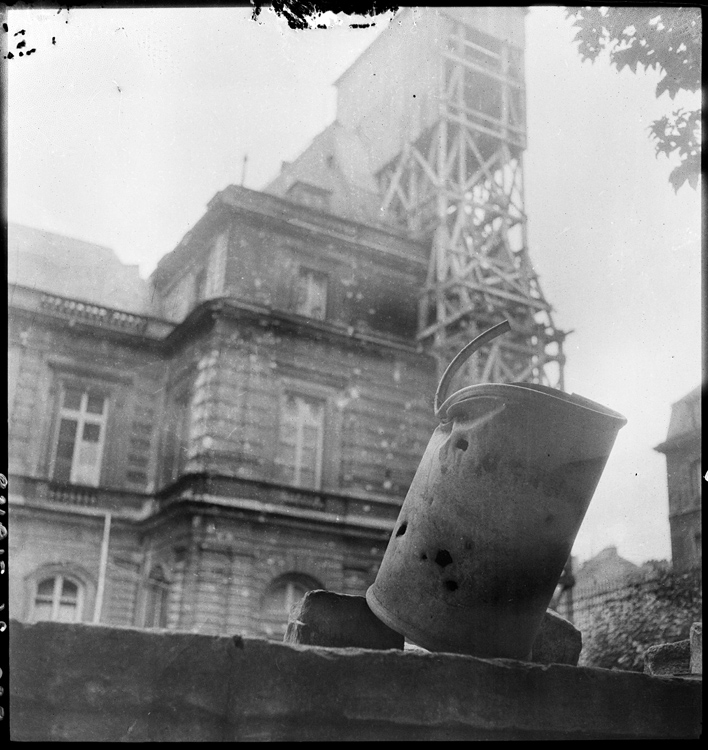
(491, 515)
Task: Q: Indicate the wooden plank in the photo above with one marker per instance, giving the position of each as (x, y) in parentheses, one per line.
(455, 37)
(528, 301)
(476, 67)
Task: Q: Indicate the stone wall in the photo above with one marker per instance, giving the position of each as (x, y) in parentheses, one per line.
(94, 683)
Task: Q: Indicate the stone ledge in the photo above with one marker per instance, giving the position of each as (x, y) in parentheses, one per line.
(85, 682)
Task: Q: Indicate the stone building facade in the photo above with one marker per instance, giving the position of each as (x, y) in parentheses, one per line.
(201, 462)
(196, 452)
(682, 449)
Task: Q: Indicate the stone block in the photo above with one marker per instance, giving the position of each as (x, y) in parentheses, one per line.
(324, 618)
(696, 639)
(668, 659)
(558, 641)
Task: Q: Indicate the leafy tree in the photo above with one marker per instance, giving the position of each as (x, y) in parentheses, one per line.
(655, 609)
(667, 39)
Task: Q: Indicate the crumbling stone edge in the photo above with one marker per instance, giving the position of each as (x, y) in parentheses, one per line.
(78, 682)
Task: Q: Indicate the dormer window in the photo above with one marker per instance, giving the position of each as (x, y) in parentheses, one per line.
(311, 293)
(310, 195)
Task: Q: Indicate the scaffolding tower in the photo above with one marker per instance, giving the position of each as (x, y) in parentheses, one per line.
(431, 128)
(458, 182)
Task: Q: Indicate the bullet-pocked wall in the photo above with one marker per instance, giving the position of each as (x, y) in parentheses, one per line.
(202, 468)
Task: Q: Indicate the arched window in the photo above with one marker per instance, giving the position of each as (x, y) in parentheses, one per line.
(58, 598)
(157, 591)
(280, 597)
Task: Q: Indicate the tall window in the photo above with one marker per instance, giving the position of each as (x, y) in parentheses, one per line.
(301, 440)
(58, 598)
(311, 293)
(156, 597)
(176, 436)
(216, 268)
(80, 437)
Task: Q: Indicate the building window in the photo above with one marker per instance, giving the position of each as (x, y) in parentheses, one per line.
(216, 268)
(280, 597)
(310, 195)
(311, 293)
(59, 599)
(301, 440)
(80, 436)
(696, 479)
(176, 436)
(157, 592)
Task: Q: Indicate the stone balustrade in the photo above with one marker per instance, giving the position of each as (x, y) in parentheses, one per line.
(33, 490)
(88, 313)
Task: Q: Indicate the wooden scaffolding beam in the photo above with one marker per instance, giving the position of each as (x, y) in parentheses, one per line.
(461, 185)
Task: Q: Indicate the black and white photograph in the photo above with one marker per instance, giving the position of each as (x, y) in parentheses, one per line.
(355, 368)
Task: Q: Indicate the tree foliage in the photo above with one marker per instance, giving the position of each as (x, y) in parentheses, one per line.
(665, 39)
(657, 609)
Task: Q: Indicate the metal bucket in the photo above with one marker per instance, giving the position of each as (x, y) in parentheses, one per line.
(491, 515)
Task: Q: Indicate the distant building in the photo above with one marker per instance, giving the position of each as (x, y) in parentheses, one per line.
(682, 449)
(598, 580)
(603, 571)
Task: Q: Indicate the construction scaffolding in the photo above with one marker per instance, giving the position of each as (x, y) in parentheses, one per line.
(458, 182)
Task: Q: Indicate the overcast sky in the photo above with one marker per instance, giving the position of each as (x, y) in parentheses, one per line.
(124, 123)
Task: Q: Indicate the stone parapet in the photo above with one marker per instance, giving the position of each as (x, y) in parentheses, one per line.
(94, 683)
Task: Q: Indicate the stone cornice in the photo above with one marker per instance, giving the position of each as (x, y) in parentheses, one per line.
(94, 320)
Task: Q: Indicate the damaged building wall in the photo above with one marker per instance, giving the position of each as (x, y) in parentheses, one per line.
(258, 445)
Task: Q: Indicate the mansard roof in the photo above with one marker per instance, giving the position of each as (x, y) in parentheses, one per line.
(72, 268)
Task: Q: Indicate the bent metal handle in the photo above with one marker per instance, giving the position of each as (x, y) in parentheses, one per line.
(461, 357)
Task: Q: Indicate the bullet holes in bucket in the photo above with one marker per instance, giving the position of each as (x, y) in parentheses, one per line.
(462, 444)
(402, 529)
(443, 558)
